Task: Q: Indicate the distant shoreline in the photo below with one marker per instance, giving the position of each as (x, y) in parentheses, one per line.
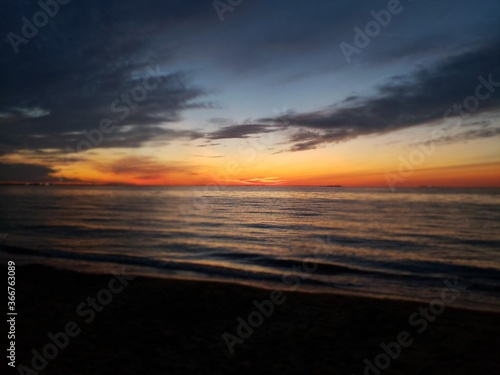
(242, 186)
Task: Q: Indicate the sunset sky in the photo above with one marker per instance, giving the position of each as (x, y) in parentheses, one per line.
(195, 92)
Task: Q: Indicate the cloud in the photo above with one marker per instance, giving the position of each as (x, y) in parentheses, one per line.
(210, 156)
(466, 136)
(66, 79)
(91, 55)
(18, 172)
(143, 167)
(404, 101)
(241, 131)
(309, 140)
(260, 181)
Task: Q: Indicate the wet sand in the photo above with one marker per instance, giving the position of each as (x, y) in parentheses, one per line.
(157, 326)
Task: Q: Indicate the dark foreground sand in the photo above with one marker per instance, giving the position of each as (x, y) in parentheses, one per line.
(175, 327)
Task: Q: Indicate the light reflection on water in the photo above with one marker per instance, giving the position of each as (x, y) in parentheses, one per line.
(393, 244)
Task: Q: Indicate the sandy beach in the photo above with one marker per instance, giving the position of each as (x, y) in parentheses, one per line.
(159, 326)
(250, 187)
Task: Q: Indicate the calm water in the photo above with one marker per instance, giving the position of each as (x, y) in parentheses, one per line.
(368, 241)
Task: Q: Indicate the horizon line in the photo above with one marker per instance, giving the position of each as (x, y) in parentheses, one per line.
(84, 184)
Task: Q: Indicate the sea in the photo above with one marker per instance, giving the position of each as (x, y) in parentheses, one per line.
(408, 244)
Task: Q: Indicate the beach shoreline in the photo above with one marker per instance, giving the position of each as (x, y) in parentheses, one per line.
(294, 279)
(160, 326)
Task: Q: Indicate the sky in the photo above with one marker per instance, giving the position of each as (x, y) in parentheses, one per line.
(251, 92)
